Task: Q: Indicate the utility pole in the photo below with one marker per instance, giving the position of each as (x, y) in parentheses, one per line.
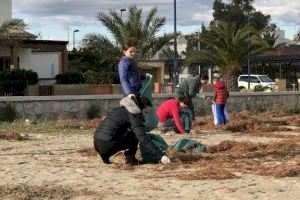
(248, 59)
(176, 70)
(198, 34)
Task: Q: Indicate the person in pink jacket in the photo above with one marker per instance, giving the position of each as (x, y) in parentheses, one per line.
(168, 113)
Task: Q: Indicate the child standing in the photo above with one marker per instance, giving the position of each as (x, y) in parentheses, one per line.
(220, 99)
(130, 77)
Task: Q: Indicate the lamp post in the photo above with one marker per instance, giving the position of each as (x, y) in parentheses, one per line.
(198, 42)
(122, 10)
(248, 59)
(76, 30)
(176, 71)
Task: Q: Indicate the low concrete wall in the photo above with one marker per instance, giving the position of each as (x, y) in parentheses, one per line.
(74, 89)
(52, 107)
(70, 89)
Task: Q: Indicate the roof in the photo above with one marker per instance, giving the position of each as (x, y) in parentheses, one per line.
(283, 50)
(46, 42)
(282, 53)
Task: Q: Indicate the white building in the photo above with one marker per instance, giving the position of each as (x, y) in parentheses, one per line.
(5, 9)
(46, 57)
(281, 37)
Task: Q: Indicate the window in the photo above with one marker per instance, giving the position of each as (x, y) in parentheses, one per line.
(4, 63)
(254, 79)
(265, 79)
(244, 78)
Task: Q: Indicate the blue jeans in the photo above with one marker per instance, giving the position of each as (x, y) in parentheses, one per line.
(220, 113)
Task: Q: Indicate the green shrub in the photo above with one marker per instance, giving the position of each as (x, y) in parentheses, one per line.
(14, 82)
(69, 78)
(8, 112)
(91, 77)
(93, 111)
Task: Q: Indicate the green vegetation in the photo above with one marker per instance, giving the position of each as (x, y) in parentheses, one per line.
(14, 82)
(93, 111)
(8, 112)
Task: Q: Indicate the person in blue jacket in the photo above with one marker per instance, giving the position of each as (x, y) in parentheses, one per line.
(130, 77)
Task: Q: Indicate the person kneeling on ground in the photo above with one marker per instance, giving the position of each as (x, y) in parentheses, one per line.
(124, 129)
(169, 112)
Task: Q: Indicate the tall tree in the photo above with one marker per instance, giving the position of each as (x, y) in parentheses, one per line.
(141, 33)
(241, 12)
(297, 37)
(228, 48)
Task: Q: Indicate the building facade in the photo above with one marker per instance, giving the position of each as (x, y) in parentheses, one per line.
(46, 57)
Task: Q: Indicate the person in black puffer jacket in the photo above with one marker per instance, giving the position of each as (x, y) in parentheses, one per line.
(124, 129)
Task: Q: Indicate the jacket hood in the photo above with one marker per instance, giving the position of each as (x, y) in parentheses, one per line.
(130, 105)
(220, 85)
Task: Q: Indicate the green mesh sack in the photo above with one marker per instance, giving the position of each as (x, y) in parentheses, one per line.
(186, 120)
(151, 119)
(184, 145)
(159, 142)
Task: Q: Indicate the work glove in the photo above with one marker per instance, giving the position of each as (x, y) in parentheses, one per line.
(208, 98)
(200, 95)
(165, 160)
(131, 96)
(148, 75)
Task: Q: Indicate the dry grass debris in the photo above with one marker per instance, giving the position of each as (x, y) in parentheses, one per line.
(12, 136)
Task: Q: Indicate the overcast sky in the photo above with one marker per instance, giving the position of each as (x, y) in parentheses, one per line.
(53, 18)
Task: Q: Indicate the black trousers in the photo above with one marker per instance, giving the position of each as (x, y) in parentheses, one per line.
(108, 148)
(191, 108)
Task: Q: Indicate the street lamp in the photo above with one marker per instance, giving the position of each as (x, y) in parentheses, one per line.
(248, 59)
(122, 10)
(198, 42)
(175, 49)
(76, 30)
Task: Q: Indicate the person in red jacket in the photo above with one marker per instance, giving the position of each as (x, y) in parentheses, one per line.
(220, 99)
(169, 112)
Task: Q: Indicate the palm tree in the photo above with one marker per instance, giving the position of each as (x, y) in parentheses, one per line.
(297, 37)
(228, 47)
(10, 35)
(8, 28)
(141, 33)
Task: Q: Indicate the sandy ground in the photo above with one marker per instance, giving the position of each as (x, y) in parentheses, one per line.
(47, 161)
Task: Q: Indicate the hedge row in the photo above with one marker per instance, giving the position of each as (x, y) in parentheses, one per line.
(13, 83)
(88, 77)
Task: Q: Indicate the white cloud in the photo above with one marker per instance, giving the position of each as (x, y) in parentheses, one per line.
(282, 11)
(190, 13)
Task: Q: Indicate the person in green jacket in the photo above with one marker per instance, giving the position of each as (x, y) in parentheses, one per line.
(189, 88)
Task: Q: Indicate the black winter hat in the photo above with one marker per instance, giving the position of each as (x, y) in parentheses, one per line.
(142, 102)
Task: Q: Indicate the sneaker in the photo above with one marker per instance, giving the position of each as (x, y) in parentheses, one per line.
(105, 159)
(166, 129)
(130, 159)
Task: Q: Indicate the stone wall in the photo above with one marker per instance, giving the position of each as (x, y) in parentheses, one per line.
(72, 89)
(75, 106)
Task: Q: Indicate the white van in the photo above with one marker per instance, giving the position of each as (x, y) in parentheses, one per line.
(255, 80)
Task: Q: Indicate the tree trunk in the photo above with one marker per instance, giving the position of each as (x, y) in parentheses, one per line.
(231, 81)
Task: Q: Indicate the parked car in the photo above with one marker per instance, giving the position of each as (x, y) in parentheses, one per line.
(255, 81)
